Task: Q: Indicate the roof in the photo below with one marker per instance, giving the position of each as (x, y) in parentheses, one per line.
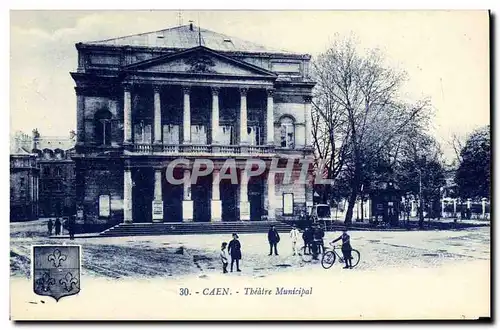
(55, 142)
(183, 37)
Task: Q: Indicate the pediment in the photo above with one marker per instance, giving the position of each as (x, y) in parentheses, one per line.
(202, 61)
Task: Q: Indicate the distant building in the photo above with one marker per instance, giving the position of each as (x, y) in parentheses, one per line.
(54, 178)
(24, 177)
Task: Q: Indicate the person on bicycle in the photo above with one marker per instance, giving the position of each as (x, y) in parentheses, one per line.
(346, 247)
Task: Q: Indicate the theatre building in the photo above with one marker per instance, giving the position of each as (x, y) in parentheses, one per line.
(146, 100)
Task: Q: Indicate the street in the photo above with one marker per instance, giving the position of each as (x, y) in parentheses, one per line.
(172, 256)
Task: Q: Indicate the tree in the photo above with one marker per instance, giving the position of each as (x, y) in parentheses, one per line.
(358, 113)
(473, 175)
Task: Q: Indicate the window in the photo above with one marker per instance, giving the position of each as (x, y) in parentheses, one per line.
(198, 134)
(171, 134)
(142, 132)
(226, 135)
(287, 204)
(254, 135)
(102, 120)
(287, 132)
(104, 206)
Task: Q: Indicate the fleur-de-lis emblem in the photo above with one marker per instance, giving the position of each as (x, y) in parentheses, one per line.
(68, 281)
(45, 282)
(56, 257)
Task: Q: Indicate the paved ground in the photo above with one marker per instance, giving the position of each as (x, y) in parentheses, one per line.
(165, 256)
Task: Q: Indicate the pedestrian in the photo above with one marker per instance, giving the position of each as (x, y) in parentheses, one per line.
(317, 242)
(234, 250)
(273, 237)
(346, 247)
(50, 225)
(71, 229)
(307, 237)
(294, 236)
(224, 257)
(57, 226)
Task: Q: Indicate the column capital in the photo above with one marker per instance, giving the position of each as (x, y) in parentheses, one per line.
(127, 87)
(270, 92)
(215, 90)
(243, 91)
(308, 98)
(157, 88)
(186, 89)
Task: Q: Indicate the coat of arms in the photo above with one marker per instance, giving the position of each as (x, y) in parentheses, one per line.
(200, 64)
(56, 270)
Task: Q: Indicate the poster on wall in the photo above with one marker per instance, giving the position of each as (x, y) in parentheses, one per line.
(287, 204)
(104, 206)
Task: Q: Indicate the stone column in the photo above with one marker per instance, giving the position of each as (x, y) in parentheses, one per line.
(187, 203)
(158, 198)
(243, 116)
(483, 204)
(216, 206)
(442, 207)
(215, 115)
(127, 114)
(127, 195)
(270, 118)
(455, 207)
(187, 115)
(157, 114)
(271, 198)
(244, 203)
(308, 121)
(80, 115)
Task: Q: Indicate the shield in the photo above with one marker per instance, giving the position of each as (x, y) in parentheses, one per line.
(56, 270)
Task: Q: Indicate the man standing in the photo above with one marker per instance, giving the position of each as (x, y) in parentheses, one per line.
(273, 237)
(58, 226)
(71, 228)
(50, 225)
(294, 235)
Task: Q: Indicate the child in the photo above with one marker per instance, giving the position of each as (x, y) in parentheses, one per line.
(223, 257)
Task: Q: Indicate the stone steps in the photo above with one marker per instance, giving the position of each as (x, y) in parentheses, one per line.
(181, 228)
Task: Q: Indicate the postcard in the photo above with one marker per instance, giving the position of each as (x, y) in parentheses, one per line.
(250, 165)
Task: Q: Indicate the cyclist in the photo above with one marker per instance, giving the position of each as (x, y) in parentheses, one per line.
(346, 247)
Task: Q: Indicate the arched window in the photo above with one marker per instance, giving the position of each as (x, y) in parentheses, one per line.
(102, 120)
(287, 132)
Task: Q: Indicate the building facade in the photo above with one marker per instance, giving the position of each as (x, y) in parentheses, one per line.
(51, 174)
(145, 100)
(24, 177)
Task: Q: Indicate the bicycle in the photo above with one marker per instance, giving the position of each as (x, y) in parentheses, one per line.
(307, 253)
(329, 257)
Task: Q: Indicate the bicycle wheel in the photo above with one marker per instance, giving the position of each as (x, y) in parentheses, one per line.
(328, 259)
(306, 257)
(355, 258)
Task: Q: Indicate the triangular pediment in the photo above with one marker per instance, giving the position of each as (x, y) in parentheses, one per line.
(200, 60)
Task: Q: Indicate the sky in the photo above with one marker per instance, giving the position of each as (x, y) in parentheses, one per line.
(445, 54)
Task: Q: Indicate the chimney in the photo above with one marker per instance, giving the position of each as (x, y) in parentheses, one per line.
(191, 26)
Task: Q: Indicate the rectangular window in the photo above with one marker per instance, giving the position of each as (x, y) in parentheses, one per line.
(142, 133)
(170, 134)
(287, 204)
(254, 135)
(198, 134)
(104, 206)
(226, 135)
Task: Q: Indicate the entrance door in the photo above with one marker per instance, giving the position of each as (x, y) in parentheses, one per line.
(172, 202)
(142, 194)
(255, 197)
(201, 195)
(228, 195)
